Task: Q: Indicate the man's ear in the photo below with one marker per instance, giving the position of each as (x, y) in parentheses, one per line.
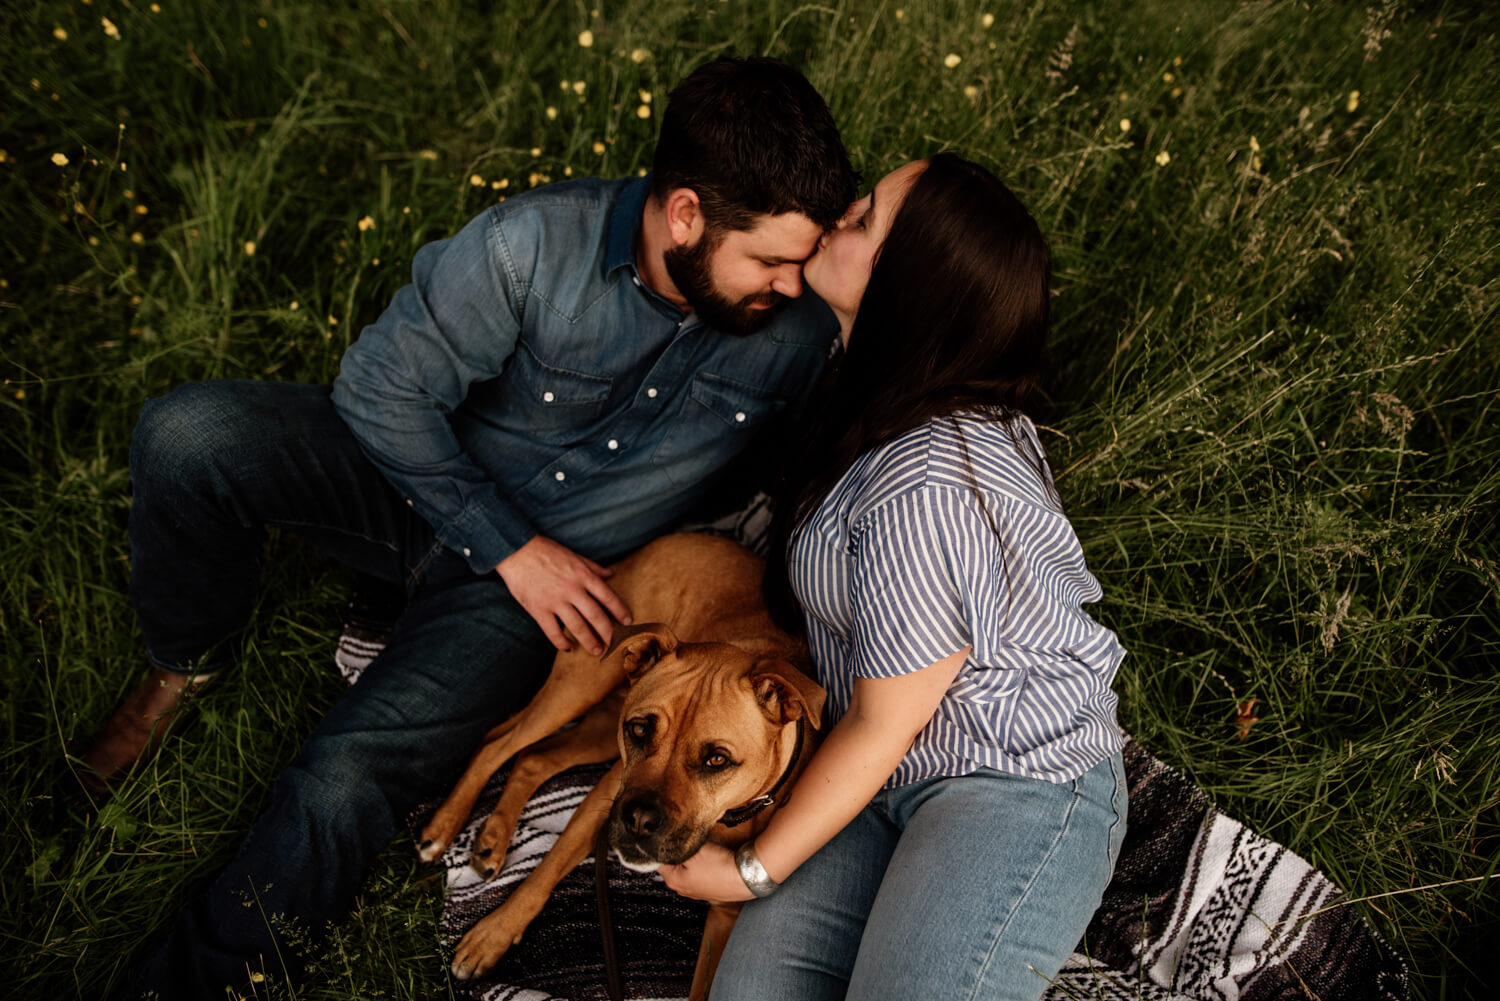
(640, 646)
(786, 694)
(684, 217)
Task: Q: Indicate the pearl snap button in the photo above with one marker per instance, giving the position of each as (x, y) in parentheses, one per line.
(548, 397)
(613, 444)
(740, 417)
(560, 475)
(651, 392)
(466, 551)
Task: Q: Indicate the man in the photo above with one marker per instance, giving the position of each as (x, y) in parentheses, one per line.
(556, 387)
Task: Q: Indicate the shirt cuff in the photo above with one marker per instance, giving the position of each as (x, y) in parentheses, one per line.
(486, 533)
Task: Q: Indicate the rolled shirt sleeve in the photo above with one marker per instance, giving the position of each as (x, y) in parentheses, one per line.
(456, 324)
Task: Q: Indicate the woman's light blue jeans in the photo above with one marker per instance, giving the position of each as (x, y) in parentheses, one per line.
(953, 888)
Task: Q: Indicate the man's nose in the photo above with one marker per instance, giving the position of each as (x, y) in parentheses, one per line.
(788, 281)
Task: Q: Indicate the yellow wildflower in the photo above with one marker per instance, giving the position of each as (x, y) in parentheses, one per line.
(60, 33)
(141, 210)
(61, 159)
(249, 248)
(1176, 91)
(366, 223)
(598, 148)
(333, 321)
(586, 38)
(1353, 103)
(645, 97)
(123, 166)
(971, 92)
(156, 8)
(78, 208)
(644, 111)
(639, 55)
(1163, 158)
(536, 151)
(20, 394)
(1254, 145)
(427, 154)
(987, 20)
(294, 305)
(1167, 78)
(1176, 60)
(900, 14)
(551, 113)
(476, 180)
(579, 86)
(109, 28)
(952, 59)
(4, 156)
(1124, 125)
(137, 238)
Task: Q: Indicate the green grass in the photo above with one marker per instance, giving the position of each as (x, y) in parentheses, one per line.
(1276, 427)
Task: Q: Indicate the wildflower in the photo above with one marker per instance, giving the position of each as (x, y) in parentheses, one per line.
(567, 171)
(1254, 145)
(644, 111)
(1163, 158)
(1176, 60)
(900, 14)
(109, 28)
(20, 394)
(4, 156)
(971, 92)
(639, 55)
(294, 305)
(1176, 91)
(123, 166)
(551, 113)
(500, 185)
(1124, 125)
(579, 87)
(333, 321)
(1167, 78)
(406, 210)
(156, 8)
(374, 262)
(137, 238)
(476, 180)
(366, 223)
(127, 194)
(562, 85)
(1255, 163)
(61, 159)
(1353, 103)
(78, 208)
(952, 59)
(93, 241)
(533, 179)
(60, 33)
(536, 151)
(645, 97)
(598, 148)
(257, 977)
(427, 154)
(141, 210)
(249, 248)
(586, 38)
(261, 22)
(987, 21)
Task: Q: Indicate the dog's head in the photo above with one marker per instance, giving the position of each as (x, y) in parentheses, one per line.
(706, 728)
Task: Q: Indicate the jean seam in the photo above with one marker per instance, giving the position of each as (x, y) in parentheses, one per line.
(1025, 895)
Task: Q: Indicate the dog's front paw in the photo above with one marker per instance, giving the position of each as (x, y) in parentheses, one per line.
(431, 849)
(482, 946)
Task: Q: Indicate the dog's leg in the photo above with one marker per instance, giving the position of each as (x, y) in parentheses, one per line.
(716, 929)
(576, 684)
(484, 944)
(593, 740)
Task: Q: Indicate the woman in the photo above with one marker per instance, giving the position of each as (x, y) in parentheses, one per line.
(954, 832)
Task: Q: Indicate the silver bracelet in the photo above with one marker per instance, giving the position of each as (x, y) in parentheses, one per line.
(752, 872)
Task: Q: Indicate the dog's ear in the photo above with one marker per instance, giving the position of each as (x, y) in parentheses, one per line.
(786, 694)
(640, 646)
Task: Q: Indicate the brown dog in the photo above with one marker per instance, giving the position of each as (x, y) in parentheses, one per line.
(710, 733)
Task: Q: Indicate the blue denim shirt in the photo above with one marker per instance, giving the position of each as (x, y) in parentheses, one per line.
(528, 382)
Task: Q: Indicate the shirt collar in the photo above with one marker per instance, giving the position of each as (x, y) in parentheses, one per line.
(625, 224)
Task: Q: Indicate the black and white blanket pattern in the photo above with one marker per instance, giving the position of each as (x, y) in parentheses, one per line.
(1201, 908)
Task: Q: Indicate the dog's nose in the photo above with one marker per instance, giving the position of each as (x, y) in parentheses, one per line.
(642, 817)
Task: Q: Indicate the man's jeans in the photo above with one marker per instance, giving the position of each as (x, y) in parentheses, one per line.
(976, 887)
(211, 465)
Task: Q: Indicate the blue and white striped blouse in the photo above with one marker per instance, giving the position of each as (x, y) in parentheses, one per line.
(899, 567)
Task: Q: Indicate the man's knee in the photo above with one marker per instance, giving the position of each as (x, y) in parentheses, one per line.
(186, 433)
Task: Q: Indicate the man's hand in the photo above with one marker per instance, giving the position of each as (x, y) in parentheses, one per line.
(564, 591)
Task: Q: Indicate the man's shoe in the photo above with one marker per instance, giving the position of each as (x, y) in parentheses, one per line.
(137, 727)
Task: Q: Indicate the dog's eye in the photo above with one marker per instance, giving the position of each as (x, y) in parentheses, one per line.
(638, 730)
(716, 760)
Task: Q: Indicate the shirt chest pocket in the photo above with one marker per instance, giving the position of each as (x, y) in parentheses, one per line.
(717, 421)
(556, 405)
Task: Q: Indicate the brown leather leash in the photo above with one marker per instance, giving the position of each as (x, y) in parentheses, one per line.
(606, 922)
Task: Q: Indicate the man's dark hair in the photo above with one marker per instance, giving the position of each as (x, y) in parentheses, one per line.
(752, 137)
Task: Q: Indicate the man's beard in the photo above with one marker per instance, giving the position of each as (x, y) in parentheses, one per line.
(690, 271)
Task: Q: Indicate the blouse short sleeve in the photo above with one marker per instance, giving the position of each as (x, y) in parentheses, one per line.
(905, 595)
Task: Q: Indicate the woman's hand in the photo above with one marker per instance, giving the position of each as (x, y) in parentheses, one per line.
(709, 875)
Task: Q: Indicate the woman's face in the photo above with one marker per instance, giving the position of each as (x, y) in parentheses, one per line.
(840, 268)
